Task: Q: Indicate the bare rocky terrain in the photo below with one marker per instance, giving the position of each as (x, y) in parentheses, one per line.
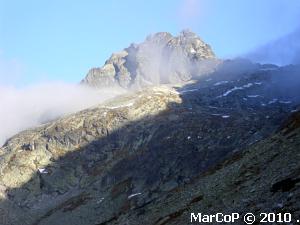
(226, 141)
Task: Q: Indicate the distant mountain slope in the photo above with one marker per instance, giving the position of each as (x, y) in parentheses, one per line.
(283, 51)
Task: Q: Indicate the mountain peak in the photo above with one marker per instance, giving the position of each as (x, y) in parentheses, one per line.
(187, 33)
(159, 36)
(161, 58)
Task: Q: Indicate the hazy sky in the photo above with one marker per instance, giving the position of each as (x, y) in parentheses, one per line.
(44, 40)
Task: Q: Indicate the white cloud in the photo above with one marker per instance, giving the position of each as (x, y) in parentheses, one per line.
(22, 108)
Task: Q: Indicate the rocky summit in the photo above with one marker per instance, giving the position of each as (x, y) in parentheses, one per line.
(160, 59)
(226, 141)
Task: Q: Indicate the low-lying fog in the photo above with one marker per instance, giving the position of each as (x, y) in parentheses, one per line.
(22, 108)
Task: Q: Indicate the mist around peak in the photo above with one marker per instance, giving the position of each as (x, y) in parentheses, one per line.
(282, 51)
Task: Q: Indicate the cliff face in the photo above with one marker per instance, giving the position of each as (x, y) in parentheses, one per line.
(221, 143)
(160, 59)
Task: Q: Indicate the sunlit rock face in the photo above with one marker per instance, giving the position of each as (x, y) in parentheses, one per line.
(161, 58)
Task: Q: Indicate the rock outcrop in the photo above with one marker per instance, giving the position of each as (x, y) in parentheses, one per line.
(160, 59)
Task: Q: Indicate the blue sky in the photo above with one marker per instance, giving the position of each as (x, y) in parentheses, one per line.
(43, 40)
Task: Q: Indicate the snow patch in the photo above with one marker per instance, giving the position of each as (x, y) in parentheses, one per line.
(252, 96)
(248, 85)
(285, 102)
(120, 106)
(189, 90)
(225, 116)
(221, 82)
(273, 101)
(42, 170)
(268, 69)
(100, 200)
(231, 90)
(133, 195)
(192, 51)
